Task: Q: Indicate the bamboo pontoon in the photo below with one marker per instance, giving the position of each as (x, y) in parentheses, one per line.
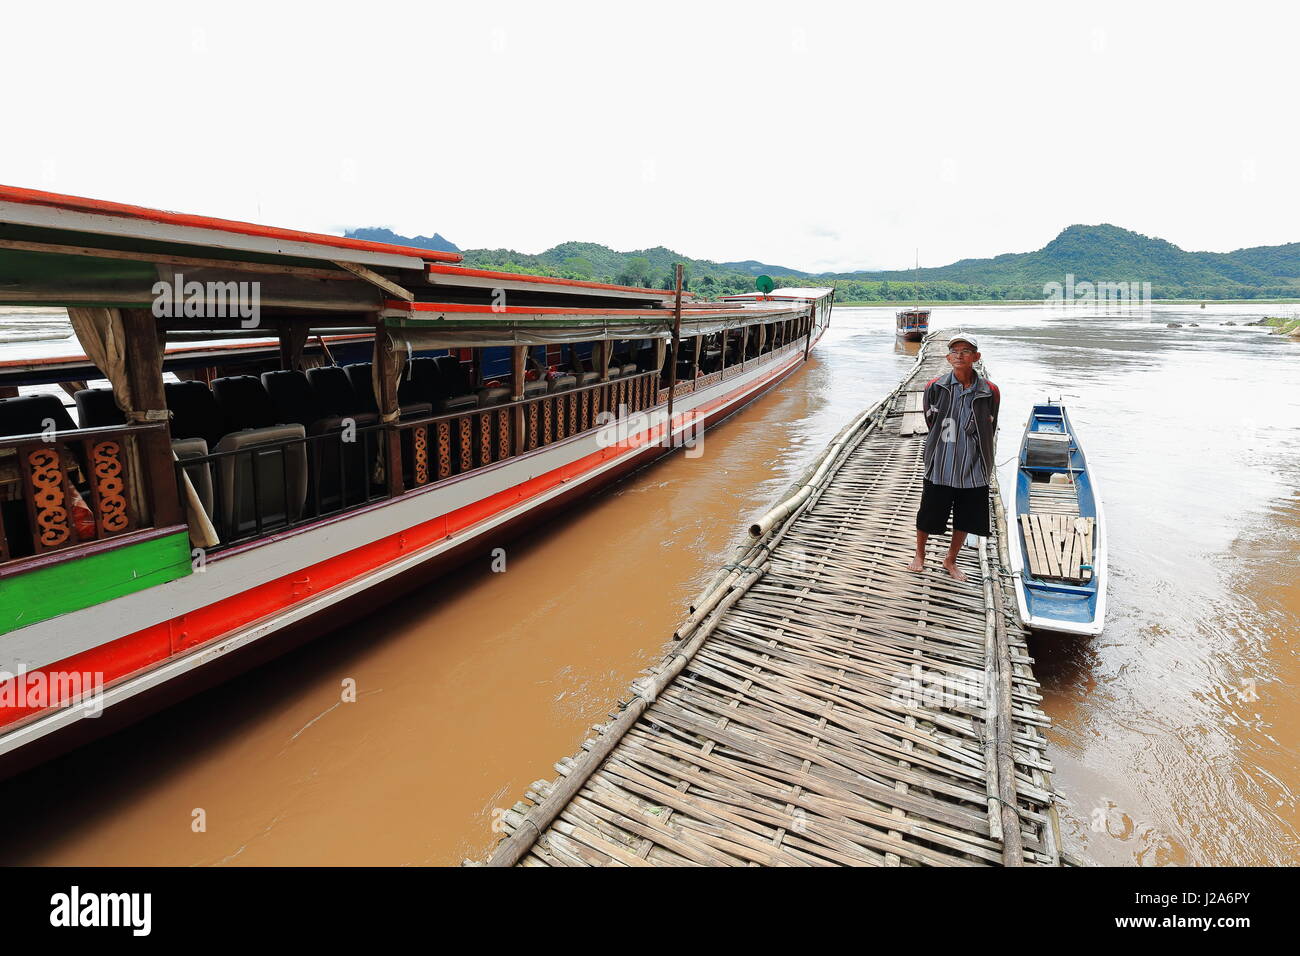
(822, 705)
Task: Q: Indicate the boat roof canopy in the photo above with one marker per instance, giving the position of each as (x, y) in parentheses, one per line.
(789, 292)
(38, 208)
(188, 271)
(73, 251)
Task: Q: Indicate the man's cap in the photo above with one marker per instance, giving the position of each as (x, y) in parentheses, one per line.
(963, 337)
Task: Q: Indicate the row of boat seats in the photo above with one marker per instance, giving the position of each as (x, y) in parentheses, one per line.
(442, 382)
(242, 412)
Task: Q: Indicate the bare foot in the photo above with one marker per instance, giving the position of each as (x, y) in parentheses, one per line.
(954, 572)
(918, 564)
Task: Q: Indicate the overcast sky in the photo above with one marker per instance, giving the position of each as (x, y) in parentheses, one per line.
(822, 136)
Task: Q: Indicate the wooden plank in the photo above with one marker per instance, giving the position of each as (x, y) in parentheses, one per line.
(1050, 546)
(1031, 554)
(1041, 544)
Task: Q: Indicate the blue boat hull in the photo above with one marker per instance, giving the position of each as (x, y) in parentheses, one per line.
(1046, 604)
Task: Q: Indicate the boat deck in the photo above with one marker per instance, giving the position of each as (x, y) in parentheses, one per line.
(823, 705)
(1047, 498)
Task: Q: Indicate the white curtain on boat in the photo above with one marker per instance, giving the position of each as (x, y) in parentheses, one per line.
(396, 355)
(101, 334)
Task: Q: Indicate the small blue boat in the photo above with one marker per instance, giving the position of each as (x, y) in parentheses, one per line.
(1060, 531)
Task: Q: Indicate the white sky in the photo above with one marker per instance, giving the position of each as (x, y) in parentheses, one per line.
(821, 136)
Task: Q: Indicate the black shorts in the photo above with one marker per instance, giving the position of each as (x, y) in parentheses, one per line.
(969, 508)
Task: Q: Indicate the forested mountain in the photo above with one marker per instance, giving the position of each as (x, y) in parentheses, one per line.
(1102, 253)
(379, 234)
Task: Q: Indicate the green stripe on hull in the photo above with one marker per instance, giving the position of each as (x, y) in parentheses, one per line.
(44, 593)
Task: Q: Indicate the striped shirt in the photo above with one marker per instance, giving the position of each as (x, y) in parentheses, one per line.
(957, 462)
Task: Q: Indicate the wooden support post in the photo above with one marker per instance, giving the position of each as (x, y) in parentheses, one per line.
(695, 359)
(293, 339)
(517, 355)
(601, 354)
(807, 345)
(677, 341)
(144, 375)
(726, 334)
(385, 366)
(744, 346)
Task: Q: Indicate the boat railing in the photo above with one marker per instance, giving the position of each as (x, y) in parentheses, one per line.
(457, 442)
(61, 491)
(269, 486)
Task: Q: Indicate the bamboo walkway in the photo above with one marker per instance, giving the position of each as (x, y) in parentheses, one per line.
(822, 705)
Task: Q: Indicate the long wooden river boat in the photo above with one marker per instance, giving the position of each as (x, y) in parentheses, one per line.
(296, 427)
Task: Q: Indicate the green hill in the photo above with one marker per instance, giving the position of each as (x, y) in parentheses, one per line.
(1101, 253)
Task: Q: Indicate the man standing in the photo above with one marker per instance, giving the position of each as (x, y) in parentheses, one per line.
(961, 411)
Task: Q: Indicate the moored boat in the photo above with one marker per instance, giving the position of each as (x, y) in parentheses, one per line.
(343, 420)
(1059, 556)
(912, 324)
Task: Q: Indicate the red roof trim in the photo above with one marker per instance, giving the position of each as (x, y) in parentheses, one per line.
(35, 197)
(548, 280)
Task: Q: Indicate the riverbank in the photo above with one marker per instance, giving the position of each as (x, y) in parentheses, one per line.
(1282, 326)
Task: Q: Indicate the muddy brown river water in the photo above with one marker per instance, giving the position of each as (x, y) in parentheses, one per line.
(1175, 732)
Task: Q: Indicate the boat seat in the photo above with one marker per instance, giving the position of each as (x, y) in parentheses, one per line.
(296, 402)
(453, 376)
(533, 389)
(421, 382)
(359, 376)
(96, 408)
(281, 479)
(629, 368)
(1047, 450)
(337, 395)
(457, 403)
(200, 474)
(562, 383)
(244, 403)
(588, 378)
(27, 414)
(496, 395)
(363, 388)
(195, 413)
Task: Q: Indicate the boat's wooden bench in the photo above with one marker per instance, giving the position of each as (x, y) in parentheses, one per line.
(1049, 498)
(1059, 545)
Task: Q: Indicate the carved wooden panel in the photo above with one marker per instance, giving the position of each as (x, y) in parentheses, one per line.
(50, 509)
(503, 433)
(466, 423)
(108, 478)
(420, 442)
(484, 438)
(444, 449)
